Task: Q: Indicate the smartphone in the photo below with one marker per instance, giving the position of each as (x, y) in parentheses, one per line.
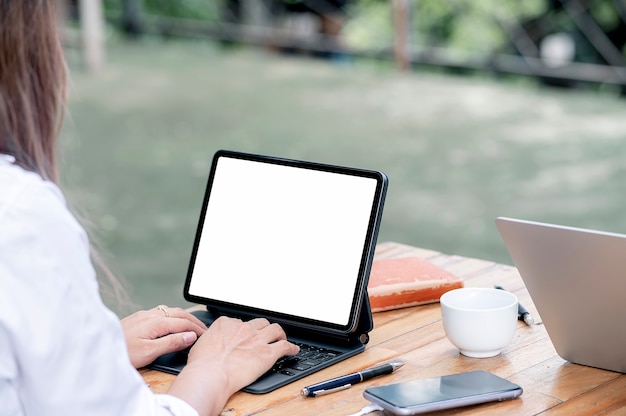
(445, 392)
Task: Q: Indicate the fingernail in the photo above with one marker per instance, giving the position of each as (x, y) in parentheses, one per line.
(189, 337)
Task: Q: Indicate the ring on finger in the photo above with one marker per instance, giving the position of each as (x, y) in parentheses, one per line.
(165, 310)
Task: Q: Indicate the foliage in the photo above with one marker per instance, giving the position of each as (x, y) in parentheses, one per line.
(369, 25)
(199, 9)
(457, 24)
(191, 9)
(462, 25)
(469, 24)
(605, 14)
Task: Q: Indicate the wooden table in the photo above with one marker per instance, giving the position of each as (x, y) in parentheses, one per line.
(552, 386)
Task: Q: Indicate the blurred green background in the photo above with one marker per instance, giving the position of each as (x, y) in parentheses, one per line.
(459, 150)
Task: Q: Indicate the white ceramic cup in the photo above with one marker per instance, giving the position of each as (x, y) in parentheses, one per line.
(480, 322)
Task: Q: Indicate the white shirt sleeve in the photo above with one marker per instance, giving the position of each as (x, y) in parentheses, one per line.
(62, 352)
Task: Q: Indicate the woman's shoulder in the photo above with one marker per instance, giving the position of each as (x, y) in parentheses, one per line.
(20, 189)
(28, 203)
(38, 230)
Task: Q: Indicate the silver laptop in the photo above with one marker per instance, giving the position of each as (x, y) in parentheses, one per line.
(577, 280)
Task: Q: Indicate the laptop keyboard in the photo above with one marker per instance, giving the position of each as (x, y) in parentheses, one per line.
(308, 357)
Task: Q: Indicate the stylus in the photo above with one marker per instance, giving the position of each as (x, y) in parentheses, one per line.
(522, 313)
(344, 382)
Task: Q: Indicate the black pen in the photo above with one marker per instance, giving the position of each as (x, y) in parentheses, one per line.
(522, 313)
(348, 380)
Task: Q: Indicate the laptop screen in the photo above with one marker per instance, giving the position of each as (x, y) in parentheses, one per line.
(286, 239)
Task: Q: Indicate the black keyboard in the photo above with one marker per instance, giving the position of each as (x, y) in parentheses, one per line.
(308, 357)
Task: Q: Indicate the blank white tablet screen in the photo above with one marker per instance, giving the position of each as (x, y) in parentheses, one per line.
(283, 239)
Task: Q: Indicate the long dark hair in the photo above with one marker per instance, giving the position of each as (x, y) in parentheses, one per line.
(32, 84)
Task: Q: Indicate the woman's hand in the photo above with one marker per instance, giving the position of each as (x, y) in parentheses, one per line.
(152, 333)
(242, 351)
(230, 355)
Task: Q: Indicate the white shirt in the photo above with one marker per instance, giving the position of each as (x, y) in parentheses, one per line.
(62, 352)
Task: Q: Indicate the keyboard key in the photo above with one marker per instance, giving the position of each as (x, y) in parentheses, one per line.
(309, 356)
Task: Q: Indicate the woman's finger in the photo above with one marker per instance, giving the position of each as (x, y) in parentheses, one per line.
(181, 313)
(272, 333)
(259, 323)
(176, 325)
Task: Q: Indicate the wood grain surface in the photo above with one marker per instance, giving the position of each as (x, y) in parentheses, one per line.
(552, 386)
